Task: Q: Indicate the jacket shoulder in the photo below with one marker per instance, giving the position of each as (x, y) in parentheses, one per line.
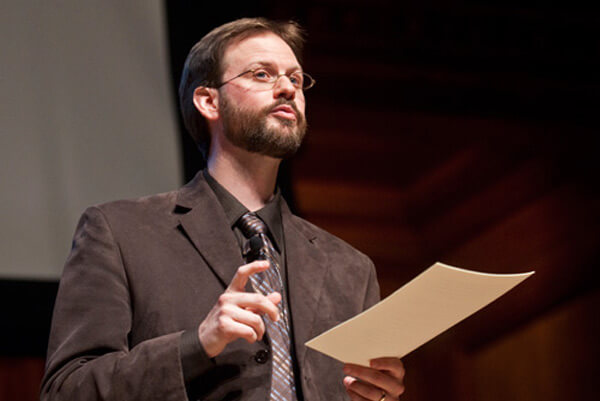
(160, 200)
(151, 210)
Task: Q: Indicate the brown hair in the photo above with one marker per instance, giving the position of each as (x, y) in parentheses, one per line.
(203, 65)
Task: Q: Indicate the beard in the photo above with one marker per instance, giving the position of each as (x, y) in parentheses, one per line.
(250, 130)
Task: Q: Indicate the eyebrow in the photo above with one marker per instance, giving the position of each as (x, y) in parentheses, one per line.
(269, 64)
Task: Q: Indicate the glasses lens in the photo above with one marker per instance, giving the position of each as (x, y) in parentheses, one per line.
(307, 81)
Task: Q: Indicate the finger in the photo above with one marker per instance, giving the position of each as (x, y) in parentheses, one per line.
(253, 302)
(362, 389)
(233, 329)
(249, 319)
(262, 305)
(240, 279)
(356, 397)
(392, 365)
(379, 379)
(348, 380)
(274, 297)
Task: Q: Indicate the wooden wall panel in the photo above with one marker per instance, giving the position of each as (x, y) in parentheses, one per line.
(553, 357)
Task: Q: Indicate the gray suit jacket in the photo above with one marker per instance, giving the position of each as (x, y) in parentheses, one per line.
(142, 271)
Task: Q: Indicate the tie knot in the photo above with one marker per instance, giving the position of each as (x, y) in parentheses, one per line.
(251, 224)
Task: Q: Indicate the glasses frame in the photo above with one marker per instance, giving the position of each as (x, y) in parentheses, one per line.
(275, 79)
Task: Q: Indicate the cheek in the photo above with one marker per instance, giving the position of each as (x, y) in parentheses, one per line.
(300, 103)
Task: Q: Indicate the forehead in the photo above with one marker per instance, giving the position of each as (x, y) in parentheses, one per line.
(262, 47)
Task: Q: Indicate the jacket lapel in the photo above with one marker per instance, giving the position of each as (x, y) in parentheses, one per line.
(203, 221)
(307, 268)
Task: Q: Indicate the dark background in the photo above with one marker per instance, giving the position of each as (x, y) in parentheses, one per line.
(463, 132)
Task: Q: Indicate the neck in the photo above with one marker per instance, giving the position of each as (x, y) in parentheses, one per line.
(250, 177)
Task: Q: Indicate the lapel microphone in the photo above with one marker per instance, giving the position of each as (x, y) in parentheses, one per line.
(254, 249)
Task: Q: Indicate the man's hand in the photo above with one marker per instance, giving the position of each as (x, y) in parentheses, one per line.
(237, 313)
(382, 381)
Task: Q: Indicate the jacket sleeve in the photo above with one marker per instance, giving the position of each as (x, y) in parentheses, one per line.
(89, 356)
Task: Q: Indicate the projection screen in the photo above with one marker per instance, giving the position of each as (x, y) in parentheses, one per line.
(87, 116)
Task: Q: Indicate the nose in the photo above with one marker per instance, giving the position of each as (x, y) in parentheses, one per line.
(283, 88)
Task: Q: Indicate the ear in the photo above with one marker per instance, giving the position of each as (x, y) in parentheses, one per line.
(206, 101)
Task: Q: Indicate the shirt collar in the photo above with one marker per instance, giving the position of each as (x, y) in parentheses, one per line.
(270, 213)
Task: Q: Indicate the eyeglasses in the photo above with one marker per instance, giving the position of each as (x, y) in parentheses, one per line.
(262, 79)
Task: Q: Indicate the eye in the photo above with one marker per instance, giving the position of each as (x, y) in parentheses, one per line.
(262, 75)
(297, 79)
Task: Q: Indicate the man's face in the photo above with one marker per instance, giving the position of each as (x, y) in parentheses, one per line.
(269, 122)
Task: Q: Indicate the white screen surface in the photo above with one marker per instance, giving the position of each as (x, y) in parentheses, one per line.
(86, 116)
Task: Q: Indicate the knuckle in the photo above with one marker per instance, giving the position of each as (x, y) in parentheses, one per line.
(223, 299)
(226, 310)
(222, 324)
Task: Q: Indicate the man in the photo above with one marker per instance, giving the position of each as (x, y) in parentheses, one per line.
(157, 302)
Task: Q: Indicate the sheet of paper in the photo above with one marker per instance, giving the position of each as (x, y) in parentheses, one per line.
(431, 303)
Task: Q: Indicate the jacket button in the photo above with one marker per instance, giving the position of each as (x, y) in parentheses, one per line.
(262, 356)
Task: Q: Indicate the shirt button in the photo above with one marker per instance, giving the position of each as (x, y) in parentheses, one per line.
(262, 356)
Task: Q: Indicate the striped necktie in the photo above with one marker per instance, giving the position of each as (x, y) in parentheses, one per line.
(259, 247)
